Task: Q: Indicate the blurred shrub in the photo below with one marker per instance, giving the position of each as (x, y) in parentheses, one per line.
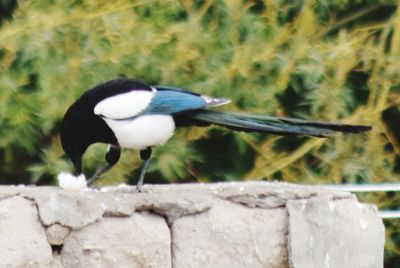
(327, 60)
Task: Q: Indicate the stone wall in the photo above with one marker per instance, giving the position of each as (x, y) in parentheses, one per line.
(256, 224)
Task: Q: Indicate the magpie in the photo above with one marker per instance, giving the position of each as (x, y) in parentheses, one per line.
(127, 113)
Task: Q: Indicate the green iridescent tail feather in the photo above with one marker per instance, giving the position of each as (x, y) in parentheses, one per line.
(274, 125)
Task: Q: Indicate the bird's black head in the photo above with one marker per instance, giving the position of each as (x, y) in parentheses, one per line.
(81, 127)
(73, 135)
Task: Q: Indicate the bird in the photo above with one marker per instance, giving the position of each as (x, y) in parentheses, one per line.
(128, 113)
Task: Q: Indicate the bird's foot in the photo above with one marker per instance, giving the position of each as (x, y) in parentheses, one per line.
(90, 181)
(143, 190)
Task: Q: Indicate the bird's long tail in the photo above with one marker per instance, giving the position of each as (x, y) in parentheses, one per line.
(275, 125)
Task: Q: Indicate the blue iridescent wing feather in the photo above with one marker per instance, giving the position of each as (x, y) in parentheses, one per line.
(173, 102)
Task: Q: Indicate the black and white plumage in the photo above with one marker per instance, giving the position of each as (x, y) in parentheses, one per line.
(127, 113)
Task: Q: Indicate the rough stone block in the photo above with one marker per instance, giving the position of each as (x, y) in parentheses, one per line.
(231, 235)
(142, 240)
(56, 234)
(257, 224)
(23, 240)
(334, 233)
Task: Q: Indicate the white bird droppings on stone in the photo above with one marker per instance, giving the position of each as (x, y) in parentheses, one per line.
(327, 260)
(68, 181)
(97, 255)
(363, 223)
(104, 189)
(311, 241)
(359, 205)
(303, 204)
(87, 190)
(123, 186)
(103, 206)
(331, 205)
(54, 205)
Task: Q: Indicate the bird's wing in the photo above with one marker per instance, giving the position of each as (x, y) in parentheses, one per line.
(168, 88)
(124, 105)
(173, 100)
(163, 100)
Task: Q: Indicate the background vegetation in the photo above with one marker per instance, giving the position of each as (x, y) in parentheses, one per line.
(336, 60)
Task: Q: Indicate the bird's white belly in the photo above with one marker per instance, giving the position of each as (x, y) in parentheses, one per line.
(142, 132)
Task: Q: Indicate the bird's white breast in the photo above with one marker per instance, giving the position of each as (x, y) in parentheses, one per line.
(143, 131)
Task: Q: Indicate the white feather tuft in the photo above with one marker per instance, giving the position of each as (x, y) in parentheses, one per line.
(68, 181)
(212, 102)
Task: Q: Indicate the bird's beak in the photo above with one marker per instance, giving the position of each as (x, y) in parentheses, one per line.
(78, 167)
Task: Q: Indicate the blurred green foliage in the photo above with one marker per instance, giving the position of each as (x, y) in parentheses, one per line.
(327, 60)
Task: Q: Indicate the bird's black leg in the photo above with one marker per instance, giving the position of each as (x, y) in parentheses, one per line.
(145, 155)
(112, 156)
